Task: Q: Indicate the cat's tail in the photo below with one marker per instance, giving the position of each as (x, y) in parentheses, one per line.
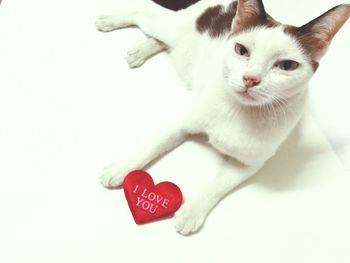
(175, 4)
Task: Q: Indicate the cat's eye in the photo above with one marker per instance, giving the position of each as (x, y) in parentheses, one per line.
(287, 65)
(241, 50)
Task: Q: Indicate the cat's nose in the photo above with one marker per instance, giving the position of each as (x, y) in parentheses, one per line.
(251, 81)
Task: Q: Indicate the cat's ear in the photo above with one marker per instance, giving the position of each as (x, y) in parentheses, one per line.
(316, 35)
(249, 13)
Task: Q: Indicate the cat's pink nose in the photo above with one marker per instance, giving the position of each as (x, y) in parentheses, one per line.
(251, 81)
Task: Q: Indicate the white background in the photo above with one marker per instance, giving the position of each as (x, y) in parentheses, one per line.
(69, 105)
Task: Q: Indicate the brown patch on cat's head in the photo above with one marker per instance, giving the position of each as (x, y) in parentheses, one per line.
(315, 36)
(238, 16)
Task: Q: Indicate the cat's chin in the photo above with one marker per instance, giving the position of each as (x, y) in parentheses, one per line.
(247, 99)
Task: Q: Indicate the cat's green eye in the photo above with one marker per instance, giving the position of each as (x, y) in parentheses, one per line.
(241, 50)
(287, 65)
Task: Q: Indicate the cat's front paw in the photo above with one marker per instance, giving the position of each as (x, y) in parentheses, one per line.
(136, 57)
(113, 176)
(110, 23)
(189, 219)
(104, 23)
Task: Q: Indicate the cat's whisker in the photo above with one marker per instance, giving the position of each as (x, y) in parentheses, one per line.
(278, 104)
(281, 105)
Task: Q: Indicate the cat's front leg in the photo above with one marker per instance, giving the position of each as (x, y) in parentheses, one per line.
(155, 25)
(137, 56)
(167, 139)
(113, 22)
(192, 215)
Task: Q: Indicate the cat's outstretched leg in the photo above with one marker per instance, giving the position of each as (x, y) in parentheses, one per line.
(137, 56)
(192, 215)
(165, 27)
(167, 139)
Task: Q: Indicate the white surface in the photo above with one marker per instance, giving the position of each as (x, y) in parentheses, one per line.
(69, 105)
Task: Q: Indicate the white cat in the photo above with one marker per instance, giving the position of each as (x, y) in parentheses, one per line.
(248, 75)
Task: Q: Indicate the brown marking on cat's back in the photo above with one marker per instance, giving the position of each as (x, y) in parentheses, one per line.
(204, 22)
(216, 20)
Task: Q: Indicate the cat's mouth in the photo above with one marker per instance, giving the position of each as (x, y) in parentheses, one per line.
(246, 97)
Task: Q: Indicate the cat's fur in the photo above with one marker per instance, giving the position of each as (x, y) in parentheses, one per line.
(248, 74)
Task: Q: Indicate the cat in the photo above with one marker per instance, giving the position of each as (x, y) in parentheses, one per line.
(248, 75)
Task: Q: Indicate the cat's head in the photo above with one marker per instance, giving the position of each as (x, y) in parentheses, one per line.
(266, 61)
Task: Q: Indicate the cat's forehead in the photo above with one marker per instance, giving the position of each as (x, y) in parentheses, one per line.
(269, 41)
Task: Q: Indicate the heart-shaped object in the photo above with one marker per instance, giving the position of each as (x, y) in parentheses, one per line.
(147, 201)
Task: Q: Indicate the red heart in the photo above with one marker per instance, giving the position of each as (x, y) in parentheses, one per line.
(147, 201)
